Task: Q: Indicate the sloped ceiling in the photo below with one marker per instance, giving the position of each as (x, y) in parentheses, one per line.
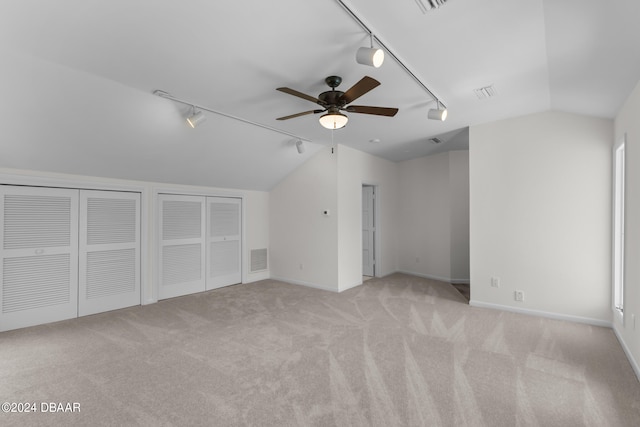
(579, 56)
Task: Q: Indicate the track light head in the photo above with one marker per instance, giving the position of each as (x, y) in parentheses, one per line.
(371, 56)
(196, 118)
(438, 114)
(300, 146)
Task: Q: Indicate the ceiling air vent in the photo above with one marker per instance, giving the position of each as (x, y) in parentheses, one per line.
(485, 92)
(427, 5)
(435, 140)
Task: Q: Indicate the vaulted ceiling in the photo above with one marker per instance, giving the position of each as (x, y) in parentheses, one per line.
(578, 56)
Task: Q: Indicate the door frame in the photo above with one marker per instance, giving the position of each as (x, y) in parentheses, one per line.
(376, 225)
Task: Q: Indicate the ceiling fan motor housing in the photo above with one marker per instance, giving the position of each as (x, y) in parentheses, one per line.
(332, 97)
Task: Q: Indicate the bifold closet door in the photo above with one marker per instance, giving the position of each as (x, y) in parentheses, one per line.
(182, 245)
(224, 253)
(109, 272)
(39, 255)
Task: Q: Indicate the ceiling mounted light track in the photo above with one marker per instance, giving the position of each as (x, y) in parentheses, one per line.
(359, 21)
(167, 95)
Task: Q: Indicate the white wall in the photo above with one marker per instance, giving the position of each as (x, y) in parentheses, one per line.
(540, 216)
(330, 248)
(255, 211)
(58, 119)
(356, 168)
(434, 216)
(459, 205)
(304, 242)
(627, 123)
(425, 220)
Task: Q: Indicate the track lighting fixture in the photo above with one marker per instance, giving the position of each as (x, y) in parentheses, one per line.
(437, 113)
(371, 56)
(196, 117)
(333, 120)
(167, 95)
(300, 146)
(425, 5)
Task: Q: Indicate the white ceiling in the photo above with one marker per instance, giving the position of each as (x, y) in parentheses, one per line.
(578, 56)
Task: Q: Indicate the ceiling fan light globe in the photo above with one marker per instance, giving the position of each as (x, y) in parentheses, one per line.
(370, 56)
(333, 120)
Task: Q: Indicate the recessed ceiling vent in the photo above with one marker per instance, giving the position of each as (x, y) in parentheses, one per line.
(427, 5)
(435, 140)
(485, 92)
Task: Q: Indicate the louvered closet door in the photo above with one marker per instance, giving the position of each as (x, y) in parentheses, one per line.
(223, 241)
(182, 245)
(109, 272)
(39, 255)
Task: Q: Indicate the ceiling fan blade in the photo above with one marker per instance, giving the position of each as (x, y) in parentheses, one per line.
(357, 90)
(300, 95)
(378, 111)
(293, 116)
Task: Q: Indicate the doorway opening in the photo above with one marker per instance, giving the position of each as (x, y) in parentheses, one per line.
(368, 232)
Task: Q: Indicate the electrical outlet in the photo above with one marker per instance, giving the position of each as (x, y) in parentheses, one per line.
(518, 296)
(495, 282)
(417, 260)
(301, 266)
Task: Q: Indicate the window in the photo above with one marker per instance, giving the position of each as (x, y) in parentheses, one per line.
(618, 230)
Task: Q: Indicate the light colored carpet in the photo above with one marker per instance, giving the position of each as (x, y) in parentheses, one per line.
(396, 351)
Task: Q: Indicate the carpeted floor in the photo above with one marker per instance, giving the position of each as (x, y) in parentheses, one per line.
(396, 351)
(464, 289)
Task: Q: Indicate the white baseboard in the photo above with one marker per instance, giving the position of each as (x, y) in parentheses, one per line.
(632, 361)
(438, 278)
(316, 286)
(256, 277)
(303, 283)
(351, 286)
(556, 316)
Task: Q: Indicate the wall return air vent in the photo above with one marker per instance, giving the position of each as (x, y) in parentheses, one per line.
(258, 260)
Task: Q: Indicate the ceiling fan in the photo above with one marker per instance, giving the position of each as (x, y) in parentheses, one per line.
(333, 101)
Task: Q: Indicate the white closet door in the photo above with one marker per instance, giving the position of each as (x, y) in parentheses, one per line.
(39, 255)
(224, 252)
(109, 270)
(182, 245)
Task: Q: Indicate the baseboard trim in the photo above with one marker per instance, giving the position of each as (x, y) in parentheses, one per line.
(627, 352)
(306, 284)
(547, 314)
(351, 286)
(438, 278)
